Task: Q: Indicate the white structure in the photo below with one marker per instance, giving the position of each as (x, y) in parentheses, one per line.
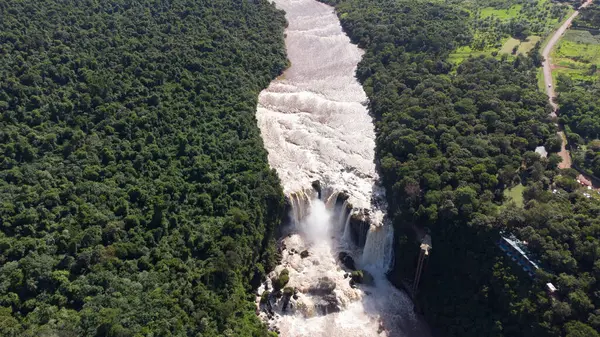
(541, 151)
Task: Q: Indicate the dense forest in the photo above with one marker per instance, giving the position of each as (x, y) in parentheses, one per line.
(450, 142)
(135, 193)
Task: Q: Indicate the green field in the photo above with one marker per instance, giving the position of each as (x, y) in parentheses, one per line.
(494, 32)
(524, 46)
(575, 54)
(527, 45)
(540, 80)
(463, 53)
(503, 14)
(515, 194)
(507, 45)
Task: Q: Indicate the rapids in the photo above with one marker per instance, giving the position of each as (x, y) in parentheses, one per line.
(316, 127)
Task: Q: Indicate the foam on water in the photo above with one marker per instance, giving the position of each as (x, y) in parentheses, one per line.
(315, 125)
(338, 308)
(313, 118)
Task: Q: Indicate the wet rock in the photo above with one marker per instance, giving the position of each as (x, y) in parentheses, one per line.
(265, 302)
(304, 254)
(328, 304)
(288, 291)
(264, 298)
(282, 280)
(325, 286)
(361, 276)
(341, 197)
(317, 186)
(346, 260)
(285, 303)
(359, 227)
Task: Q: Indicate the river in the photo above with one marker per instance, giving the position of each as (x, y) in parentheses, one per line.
(320, 137)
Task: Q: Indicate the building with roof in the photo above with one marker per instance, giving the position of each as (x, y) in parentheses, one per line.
(516, 251)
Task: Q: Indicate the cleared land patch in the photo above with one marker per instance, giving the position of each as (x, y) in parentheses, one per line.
(515, 194)
(510, 27)
(527, 45)
(577, 55)
(503, 14)
(509, 45)
(523, 47)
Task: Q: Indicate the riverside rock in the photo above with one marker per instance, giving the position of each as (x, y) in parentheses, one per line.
(346, 260)
(325, 286)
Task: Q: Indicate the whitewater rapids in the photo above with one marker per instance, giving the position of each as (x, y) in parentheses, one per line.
(316, 127)
(313, 119)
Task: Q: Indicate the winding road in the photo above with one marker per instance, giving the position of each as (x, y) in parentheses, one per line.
(547, 64)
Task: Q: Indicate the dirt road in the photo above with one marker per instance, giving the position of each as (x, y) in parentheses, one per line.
(547, 64)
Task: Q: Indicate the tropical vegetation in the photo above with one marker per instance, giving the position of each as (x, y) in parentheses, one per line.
(135, 193)
(450, 141)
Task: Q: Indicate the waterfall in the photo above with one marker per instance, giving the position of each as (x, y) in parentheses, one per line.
(346, 237)
(331, 199)
(300, 202)
(325, 301)
(344, 217)
(378, 250)
(320, 139)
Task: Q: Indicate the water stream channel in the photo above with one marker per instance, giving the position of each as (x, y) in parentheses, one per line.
(320, 138)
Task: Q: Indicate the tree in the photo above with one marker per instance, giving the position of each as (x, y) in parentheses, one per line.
(578, 329)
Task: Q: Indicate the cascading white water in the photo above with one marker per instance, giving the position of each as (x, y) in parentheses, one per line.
(316, 127)
(378, 249)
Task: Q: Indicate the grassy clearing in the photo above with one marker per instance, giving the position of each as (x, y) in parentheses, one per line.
(575, 54)
(581, 36)
(540, 80)
(463, 53)
(509, 45)
(491, 32)
(524, 46)
(577, 75)
(503, 14)
(490, 36)
(515, 194)
(527, 45)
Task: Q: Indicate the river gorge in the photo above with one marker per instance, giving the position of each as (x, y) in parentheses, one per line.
(320, 137)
